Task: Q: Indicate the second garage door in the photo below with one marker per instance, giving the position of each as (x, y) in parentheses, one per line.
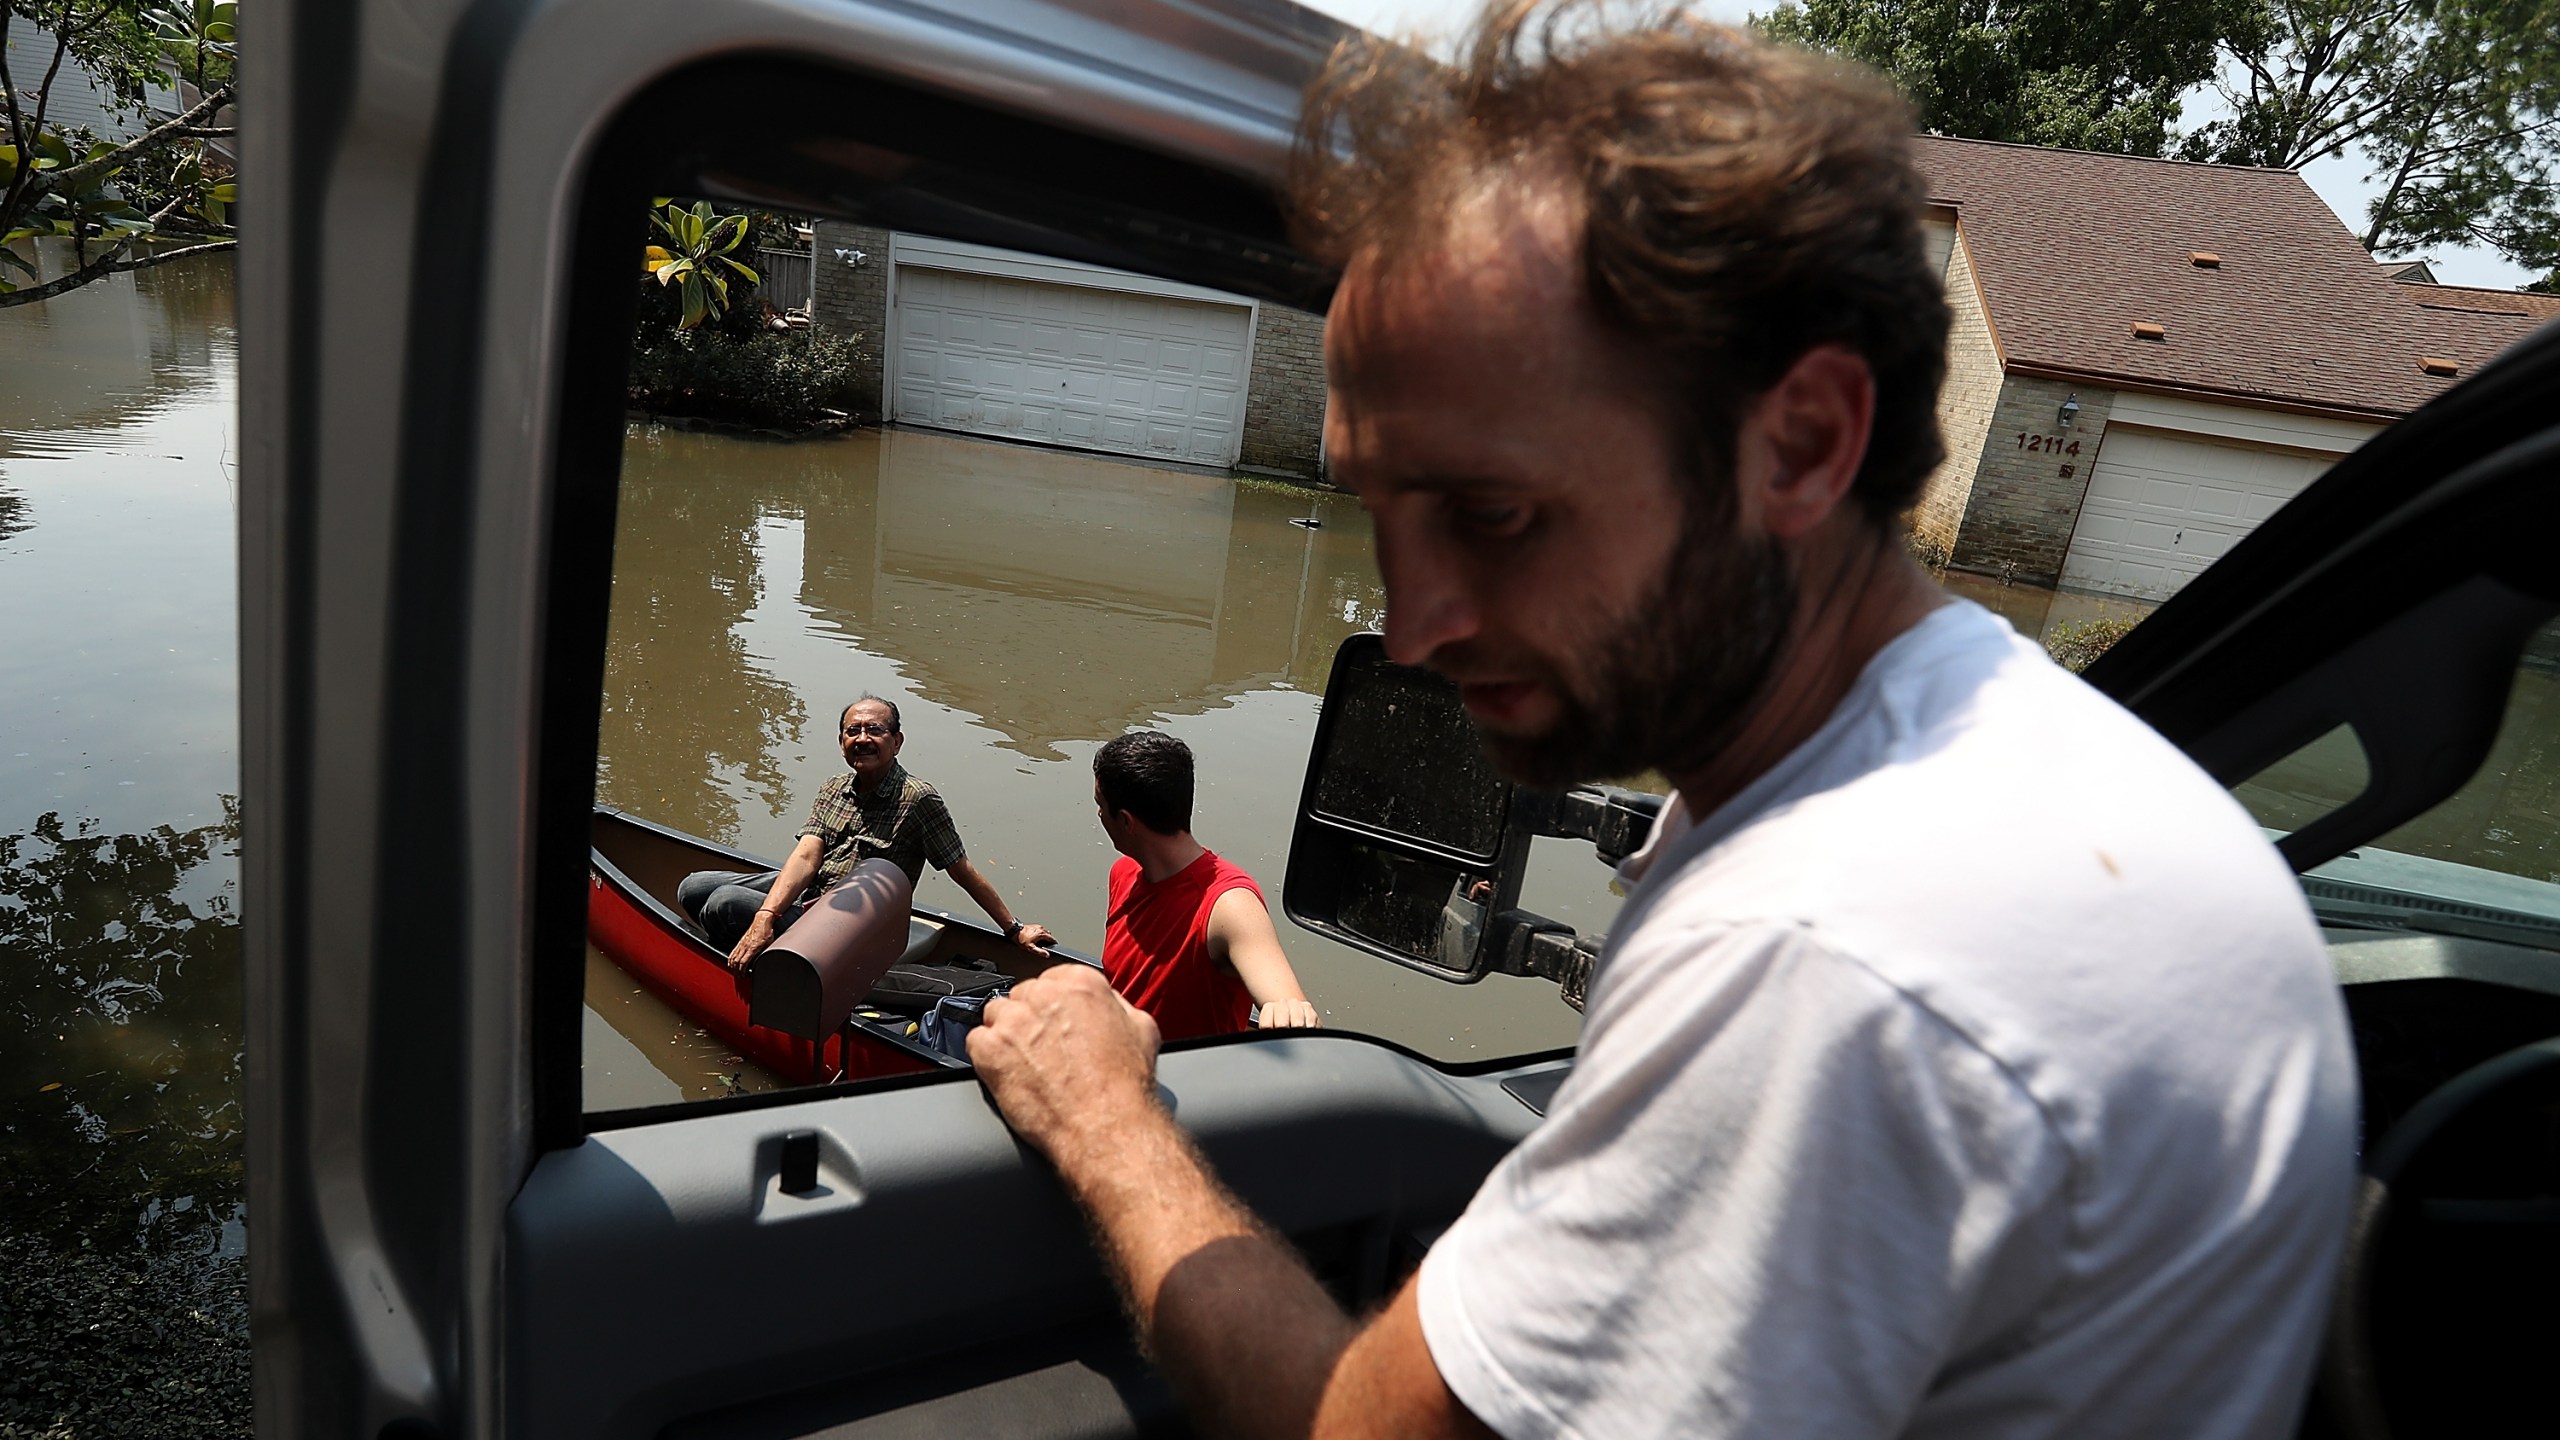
(1070, 365)
(2162, 507)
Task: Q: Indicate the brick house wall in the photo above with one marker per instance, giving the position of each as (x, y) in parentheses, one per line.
(2024, 503)
(1965, 409)
(1284, 396)
(853, 300)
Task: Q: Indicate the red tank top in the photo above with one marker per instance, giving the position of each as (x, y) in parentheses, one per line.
(1155, 947)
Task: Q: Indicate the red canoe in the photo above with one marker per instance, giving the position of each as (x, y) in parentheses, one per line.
(632, 871)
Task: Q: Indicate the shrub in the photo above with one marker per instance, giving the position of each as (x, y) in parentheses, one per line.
(2077, 646)
(768, 379)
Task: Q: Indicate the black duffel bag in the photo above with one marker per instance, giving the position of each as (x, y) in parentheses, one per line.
(913, 989)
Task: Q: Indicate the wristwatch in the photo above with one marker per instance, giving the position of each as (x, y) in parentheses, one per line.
(1013, 932)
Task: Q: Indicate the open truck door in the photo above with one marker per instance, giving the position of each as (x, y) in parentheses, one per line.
(437, 311)
(438, 308)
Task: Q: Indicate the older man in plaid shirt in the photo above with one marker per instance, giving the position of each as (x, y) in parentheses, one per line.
(877, 811)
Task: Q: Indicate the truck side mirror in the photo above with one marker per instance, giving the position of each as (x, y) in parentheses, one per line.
(1406, 844)
(1410, 847)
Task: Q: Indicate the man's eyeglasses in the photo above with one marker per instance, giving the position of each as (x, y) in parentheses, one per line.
(868, 727)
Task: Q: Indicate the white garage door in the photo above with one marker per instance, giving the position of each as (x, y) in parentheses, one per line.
(2162, 507)
(1069, 365)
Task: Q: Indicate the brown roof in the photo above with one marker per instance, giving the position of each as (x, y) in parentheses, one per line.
(2482, 302)
(2073, 249)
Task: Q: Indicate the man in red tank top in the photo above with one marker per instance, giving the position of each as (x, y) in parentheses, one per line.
(1188, 939)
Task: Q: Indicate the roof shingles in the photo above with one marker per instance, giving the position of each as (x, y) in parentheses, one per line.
(2071, 249)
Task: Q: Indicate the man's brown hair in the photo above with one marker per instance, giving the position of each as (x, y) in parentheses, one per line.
(1742, 201)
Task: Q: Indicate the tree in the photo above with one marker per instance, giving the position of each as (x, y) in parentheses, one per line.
(114, 195)
(2455, 104)
(2101, 75)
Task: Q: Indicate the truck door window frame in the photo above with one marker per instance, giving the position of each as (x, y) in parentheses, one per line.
(789, 134)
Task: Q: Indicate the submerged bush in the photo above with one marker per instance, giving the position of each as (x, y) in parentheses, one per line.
(737, 365)
(2078, 646)
(770, 379)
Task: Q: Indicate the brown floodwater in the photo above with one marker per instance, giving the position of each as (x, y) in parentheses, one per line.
(1021, 605)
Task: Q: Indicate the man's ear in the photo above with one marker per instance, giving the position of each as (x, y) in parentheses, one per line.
(1811, 429)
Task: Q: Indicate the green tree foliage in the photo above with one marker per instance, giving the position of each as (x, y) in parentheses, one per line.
(695, 255)
(708, 346)
(2454, 105)
(57, 181)
(2087, 75)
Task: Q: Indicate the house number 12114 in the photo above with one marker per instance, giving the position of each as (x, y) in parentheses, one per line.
(2054, 443)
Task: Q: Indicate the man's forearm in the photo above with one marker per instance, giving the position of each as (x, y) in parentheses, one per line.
(1244, 1332)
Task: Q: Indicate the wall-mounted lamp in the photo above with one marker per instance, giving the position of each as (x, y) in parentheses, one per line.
(2070, 410)
(853, 258)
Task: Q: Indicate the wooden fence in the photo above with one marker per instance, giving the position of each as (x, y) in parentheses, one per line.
(790, 278)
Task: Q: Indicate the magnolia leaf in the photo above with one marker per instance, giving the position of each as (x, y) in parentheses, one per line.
(752, 277)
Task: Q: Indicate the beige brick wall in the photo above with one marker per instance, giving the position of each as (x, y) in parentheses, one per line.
(1284, 397)
(2024, 502)
(1964, 409)
(853, 299)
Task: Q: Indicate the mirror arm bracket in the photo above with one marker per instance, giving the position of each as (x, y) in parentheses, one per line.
(1615, 821)
(1524, 943)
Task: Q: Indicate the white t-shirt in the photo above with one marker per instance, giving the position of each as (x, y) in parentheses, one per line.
(1976, 1072)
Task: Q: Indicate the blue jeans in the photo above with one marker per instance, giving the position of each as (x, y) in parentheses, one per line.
(724, 902)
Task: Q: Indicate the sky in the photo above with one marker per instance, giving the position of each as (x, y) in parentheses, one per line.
(2339, 180)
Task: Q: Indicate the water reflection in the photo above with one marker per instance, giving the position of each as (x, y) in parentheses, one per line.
(120, 1033)
(110, 353)
(682, 584)
(116, 555)
(122, 1295)
(122, 1304)
(1022, 606)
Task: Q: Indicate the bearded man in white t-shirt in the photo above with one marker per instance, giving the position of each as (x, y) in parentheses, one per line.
(1964, 1062)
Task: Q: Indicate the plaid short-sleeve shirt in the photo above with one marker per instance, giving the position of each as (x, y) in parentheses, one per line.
(903, 820)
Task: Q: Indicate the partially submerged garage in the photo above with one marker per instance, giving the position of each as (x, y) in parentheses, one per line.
(2150, 357)
(1026, 347)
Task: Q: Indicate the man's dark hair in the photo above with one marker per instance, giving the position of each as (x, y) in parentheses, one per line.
(874, 699)
(1148, 774)
(1741, 201)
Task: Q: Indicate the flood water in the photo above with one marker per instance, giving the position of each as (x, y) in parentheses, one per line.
(121, 1222)
(1021, 605)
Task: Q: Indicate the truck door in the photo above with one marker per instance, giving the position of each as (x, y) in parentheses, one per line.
(438, 304)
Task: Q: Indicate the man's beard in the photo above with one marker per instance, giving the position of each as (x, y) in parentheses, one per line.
(1670, 685)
